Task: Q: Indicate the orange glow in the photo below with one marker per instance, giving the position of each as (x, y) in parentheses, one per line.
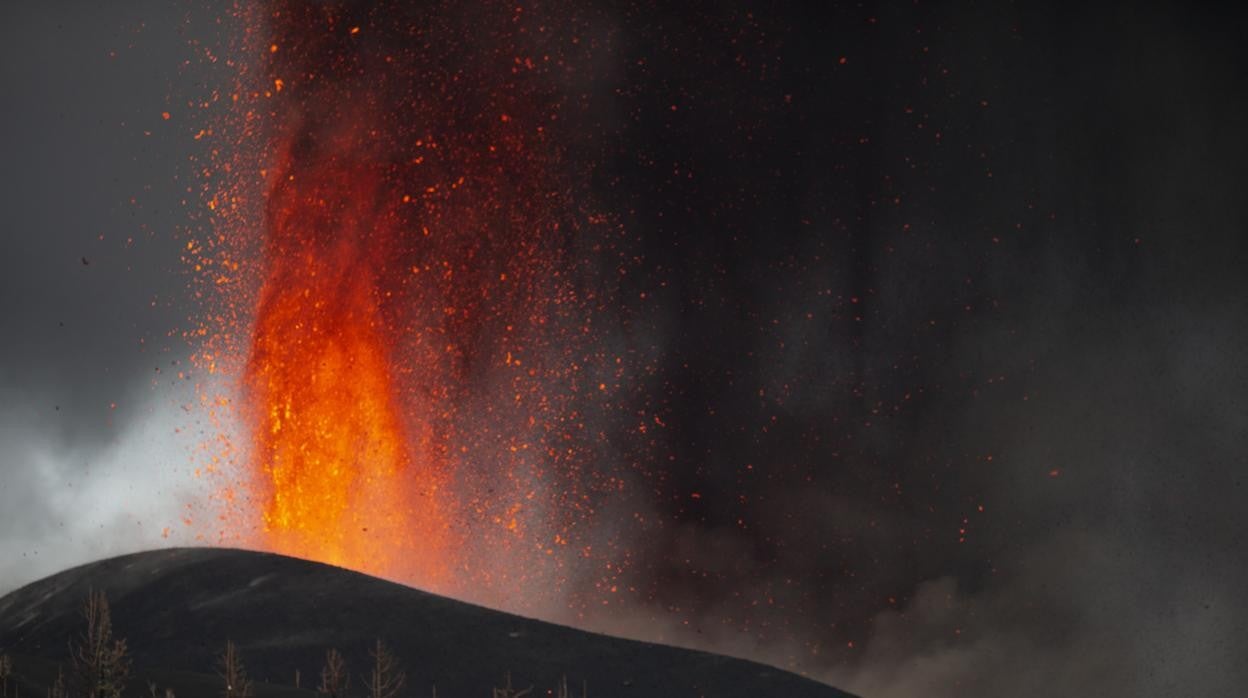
(342, 483)
(394, 300)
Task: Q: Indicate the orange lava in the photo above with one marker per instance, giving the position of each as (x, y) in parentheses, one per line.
(404, 302)
(342, 483)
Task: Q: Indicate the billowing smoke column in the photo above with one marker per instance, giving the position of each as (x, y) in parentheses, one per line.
(415, 335)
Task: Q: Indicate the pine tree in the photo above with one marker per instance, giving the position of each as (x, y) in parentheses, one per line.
(100, 663)
(6, 670)
(57, 690)
(230, 668)
(508, 692)
(334, 676)
(386, 679)
(561, 691)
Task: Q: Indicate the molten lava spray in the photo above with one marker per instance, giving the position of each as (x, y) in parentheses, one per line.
(328, 433)
(414, 350)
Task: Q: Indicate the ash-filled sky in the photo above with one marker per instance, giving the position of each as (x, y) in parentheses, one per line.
(941, 309)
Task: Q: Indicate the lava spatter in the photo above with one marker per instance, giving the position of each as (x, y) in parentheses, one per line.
(328, 433)
(416, 343)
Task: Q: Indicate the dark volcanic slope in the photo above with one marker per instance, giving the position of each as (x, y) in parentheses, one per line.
(176, 608)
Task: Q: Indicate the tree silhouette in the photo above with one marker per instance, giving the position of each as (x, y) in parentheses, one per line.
(386, 679)
(6, 670)
(508, 692)
(334, 676)
(57, 690)
(561, 691)
(100, 663)
(230, 668)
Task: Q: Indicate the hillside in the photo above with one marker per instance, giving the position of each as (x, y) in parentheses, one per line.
(176, 608)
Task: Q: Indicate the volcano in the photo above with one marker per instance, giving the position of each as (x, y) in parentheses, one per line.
(177, 608)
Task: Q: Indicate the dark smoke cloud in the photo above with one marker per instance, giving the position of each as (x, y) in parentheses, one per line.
(1048, 303)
